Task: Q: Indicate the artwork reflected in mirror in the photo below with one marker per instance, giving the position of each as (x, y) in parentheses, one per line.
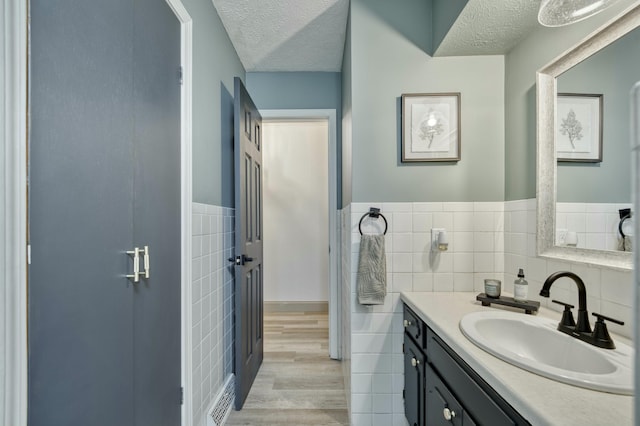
(593, 149)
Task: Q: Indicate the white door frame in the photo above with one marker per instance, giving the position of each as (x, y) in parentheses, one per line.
(13, 202)
(13, 53)
(334, 253)
(186, 59)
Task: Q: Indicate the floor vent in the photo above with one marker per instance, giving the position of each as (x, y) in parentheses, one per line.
(222, 405)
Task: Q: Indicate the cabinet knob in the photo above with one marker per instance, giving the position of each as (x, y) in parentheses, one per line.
(448, 414)
(407, 323)
(415, 362)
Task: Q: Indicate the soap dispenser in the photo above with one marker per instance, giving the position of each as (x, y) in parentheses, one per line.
(520, 288)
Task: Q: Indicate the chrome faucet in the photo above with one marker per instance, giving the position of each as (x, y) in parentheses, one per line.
(580, 329)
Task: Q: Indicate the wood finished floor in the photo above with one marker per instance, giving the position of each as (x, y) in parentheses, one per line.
(298, 384)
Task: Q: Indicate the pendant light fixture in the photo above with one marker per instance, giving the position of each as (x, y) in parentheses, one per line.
(556, 13)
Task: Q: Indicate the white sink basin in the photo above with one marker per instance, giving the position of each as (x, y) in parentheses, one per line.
(533, 343)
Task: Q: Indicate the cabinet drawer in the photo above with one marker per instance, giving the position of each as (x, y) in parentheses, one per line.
(480, 400)
(414, 327)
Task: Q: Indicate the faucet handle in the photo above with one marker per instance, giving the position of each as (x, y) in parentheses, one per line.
(567, 315)
(566, 305)
(601, 337)
(601, 317)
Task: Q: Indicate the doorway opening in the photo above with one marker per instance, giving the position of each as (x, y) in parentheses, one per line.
(300, 214)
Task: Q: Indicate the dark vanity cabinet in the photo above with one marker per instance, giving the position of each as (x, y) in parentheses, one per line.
(414, 374)
(441, 389)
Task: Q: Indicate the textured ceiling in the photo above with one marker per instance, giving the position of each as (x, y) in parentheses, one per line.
(286, 35)
(309, 35)
(490, 27)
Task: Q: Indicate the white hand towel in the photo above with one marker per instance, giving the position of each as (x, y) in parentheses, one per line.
(372, 270)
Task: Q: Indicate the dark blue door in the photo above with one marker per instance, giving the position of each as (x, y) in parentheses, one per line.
(248, 293)
(104, 177)
(156, 213)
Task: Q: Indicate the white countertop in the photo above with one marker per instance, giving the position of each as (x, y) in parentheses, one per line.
(540, 400)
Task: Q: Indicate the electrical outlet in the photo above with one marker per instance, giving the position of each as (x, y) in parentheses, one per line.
(434, 238)
(561, 236)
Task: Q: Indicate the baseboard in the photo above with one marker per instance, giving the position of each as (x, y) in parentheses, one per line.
(296, 306)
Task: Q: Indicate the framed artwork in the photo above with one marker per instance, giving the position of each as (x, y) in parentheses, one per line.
(579, 128)
(430, 127)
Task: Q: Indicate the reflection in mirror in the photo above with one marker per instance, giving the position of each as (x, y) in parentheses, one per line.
(592, 145)
(588, 176)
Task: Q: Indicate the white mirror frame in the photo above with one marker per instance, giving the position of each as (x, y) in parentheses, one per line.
(547, 163)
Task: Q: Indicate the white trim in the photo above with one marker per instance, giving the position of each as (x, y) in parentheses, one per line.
(334, 255)
(186, 56)
(13, 15)
(296, 306)
(546, 166)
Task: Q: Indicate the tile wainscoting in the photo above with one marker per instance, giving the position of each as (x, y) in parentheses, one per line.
(595, 224)
(486, 239)
(212, 305)
(609, 292)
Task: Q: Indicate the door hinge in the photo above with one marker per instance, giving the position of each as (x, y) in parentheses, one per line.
(403, 394)
(28, 254)
(182, 396)
(180, 75)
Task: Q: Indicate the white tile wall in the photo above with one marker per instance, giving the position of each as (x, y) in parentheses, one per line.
(345, 311)
(608, 292)
(486, 239)
(596, 224)
(374, 344)
(212, 305)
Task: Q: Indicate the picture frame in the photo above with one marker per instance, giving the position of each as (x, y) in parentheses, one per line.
(579, 128)
(430, 127)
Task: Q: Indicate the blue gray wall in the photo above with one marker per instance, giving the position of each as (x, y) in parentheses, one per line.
(347, 132)
(295, 90)
(445, 13)
(612, 72)
(388, 59)
(521, 64)
(215, 64)
(300, 90)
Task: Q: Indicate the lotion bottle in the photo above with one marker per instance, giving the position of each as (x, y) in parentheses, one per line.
(520, 288)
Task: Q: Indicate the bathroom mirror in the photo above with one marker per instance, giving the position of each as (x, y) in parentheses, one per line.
(583, 169)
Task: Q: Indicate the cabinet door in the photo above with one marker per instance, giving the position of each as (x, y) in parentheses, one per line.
(413, 383)
(442, 408)
(480, 400)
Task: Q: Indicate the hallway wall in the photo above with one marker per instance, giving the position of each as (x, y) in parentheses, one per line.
(296, 211)
(212, 305)
(215, 64)
(300, 90)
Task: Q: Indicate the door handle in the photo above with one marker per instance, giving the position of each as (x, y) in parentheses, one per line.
(240, 260)
(146, 262)
(136, 264)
